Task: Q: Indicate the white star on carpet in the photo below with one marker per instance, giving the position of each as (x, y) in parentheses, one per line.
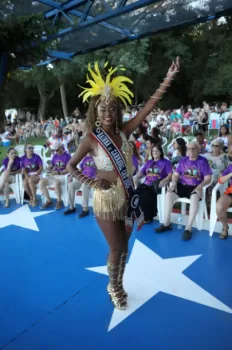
(22, 217)
(148, 274)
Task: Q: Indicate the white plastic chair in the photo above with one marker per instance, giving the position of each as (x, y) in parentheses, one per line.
(40, 150)
(46, 157)
(201, 210)
(52, 194)
(78, 199)
(160, 202)
(213, 214)
(15, 187)
(194, 125)
(20, 150)
(164, 141)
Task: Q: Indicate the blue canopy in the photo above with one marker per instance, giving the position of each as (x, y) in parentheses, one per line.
(88, 25)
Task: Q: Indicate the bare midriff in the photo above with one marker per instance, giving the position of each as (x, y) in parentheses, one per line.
(110, 176)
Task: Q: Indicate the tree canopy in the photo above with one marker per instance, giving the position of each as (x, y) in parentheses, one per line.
(206, 70)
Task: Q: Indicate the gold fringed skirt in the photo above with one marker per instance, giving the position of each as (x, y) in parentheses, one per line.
(110, 204)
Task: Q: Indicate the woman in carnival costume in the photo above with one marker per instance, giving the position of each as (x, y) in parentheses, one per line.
(116, 204)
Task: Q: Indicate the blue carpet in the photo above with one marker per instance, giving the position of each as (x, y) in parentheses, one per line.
(50, 300)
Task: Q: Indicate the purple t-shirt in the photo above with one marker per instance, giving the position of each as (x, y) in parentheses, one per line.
(59, 162)
(31, 164)
(227, 171)
(135, 164)
(192, 172)
(88, 167)
(14, 166)
(156, 170)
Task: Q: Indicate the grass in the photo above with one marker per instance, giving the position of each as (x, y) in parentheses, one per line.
(33, 141)
(41, 141)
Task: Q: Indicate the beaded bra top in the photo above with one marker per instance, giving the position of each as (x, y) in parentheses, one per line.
(103, 161)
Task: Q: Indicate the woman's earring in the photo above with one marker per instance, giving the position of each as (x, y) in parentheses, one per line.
(97, 123)
(116, 129)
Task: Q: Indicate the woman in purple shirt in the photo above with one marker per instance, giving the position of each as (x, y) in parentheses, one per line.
(190, 176)
(136, 159)
(56, 176)
(11, 165)
(158, 173)
(225, 202)
(32, 166)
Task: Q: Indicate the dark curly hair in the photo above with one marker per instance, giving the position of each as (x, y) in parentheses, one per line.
(92, 113)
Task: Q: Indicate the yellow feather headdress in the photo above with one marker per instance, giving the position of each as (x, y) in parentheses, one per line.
(109, 88)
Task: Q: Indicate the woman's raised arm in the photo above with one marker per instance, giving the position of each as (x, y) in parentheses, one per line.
(132, 125)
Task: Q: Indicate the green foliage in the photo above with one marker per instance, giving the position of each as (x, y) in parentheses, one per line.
(206, 70)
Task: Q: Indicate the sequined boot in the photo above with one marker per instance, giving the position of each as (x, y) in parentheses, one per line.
(121, 273)
(115, 292)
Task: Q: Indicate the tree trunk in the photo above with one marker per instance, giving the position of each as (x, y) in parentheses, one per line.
(43, 102)
(63, 99)
(42, 107)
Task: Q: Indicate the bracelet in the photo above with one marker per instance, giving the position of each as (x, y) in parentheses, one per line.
(161, 90)
(74, 172)
(94, 185)
(174, 73)
(165, 84)
(79, 176)
(157, 98)
(89, 184)
(84, 181)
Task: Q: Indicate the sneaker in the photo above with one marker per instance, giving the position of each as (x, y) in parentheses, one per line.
(70, 211)
(83, 214)
(163, 228)
(187, 235)
(47, 205)
(58, 205)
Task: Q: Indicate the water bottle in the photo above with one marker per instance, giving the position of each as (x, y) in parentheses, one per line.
(2, 200)
(43, 200)
(179, 222)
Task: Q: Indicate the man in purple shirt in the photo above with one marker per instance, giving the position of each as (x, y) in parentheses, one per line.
(88, 168)
(191, 175)
(56, 175)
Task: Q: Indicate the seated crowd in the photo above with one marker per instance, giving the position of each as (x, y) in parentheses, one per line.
(188, 166)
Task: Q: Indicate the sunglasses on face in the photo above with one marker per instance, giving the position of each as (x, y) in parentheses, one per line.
(30, 148)
(215, 146)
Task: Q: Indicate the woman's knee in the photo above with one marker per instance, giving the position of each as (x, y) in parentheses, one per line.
(220, 205)
(25, 182)
(42, 183)
(57, 184)
(170, 196)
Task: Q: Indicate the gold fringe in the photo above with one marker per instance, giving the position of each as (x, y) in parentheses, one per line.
(110, 204)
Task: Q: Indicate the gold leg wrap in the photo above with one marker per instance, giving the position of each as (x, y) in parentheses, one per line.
(121, 273)
(113, 288)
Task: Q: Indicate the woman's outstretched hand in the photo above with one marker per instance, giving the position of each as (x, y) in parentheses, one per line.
(174, 68)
